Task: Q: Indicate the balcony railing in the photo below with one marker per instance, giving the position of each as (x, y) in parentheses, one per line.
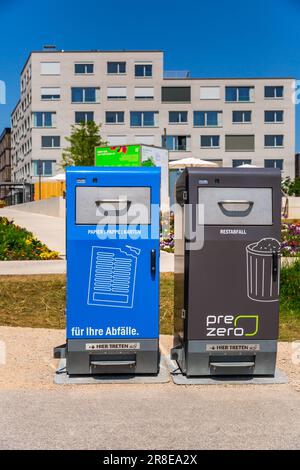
(176, 74)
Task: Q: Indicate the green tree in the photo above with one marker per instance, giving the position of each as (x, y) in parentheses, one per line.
(83, 140)
(291, 187)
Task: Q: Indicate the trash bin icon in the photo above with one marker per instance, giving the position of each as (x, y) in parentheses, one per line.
(263, 270)
(112, 276)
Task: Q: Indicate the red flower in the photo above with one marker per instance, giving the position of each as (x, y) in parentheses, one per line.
(122, 149)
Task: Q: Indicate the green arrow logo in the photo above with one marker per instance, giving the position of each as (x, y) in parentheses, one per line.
(255, 317)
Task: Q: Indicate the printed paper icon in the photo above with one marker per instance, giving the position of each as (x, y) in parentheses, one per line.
(113, 276)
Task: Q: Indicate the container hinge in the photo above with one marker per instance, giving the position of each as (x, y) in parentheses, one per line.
(183, 313)
(185, 195)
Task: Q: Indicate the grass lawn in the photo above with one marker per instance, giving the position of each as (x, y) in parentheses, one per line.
(39, 302)
(33, 301)
(290, 301)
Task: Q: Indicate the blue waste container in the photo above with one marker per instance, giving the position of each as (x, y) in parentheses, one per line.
(112, 309)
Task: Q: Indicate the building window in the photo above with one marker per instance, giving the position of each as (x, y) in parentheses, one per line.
(117, 93)
(236, 163)
(144, 93)
(209, 93)
(274, 164)
(143, 70)
(274, 92)
(241, 117)
(143, 118)
(50, 94)
(84, 117)
(239, 143)
(114, 117)
(117, 139)
(50, 68)
(178, 117)
(207, 118)
(43, 167)
(242, 93)
(116, 68)
(210, 141)
(273, 116)
(177, 142)
(84, 69)
(50, 141)
(44, 119)
(273, 140)
(85, 95)
(174, 94)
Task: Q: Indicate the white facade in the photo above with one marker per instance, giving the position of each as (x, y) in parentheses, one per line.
(197, 115)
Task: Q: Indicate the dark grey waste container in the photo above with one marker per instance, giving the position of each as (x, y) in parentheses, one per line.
(227, 271)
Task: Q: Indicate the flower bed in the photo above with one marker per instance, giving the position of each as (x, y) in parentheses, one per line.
(290, 236)
(167, 233)
(17, 243)
(167, 244)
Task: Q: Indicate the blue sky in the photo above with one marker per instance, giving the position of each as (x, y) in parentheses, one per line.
(219, 38)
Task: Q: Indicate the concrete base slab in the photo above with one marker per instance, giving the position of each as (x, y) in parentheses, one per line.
(62, 378)
(180, 379)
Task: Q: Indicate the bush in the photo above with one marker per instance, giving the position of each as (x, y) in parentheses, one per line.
(290, 286)
(291, 187)
(17, 243)
(290, 302)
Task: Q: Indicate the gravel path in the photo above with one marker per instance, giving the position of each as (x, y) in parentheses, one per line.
(35, 413)
(30, 365)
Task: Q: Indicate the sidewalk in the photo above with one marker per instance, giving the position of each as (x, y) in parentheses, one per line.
(49, 230)
(23, 268)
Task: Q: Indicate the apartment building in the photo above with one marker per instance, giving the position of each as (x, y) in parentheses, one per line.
(229, 120)
(5, 156)
(297, 165)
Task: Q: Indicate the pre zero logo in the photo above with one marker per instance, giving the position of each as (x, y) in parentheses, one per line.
(232, 325)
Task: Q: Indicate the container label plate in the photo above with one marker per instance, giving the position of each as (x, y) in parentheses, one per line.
(232, 347)
(108, 346)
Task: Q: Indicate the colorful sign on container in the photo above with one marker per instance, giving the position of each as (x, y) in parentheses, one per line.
(121, 155)
(138, 155)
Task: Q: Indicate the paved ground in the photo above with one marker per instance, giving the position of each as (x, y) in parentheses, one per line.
(35, 413)
(50, 230)
(149, 417)
(21, 268)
